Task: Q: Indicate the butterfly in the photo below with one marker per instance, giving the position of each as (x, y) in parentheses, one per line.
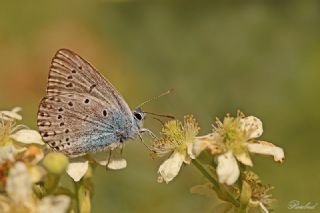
(82, 111)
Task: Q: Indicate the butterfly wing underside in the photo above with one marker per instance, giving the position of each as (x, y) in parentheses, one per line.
(81, 112)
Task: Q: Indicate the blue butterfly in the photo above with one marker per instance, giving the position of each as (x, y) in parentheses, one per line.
(82, 112)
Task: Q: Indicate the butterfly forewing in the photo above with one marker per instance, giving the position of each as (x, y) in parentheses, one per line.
(69, 73)
(82, 112)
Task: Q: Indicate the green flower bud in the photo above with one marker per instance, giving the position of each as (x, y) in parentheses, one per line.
(55, 163)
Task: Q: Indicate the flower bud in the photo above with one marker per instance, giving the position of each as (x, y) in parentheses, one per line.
(55, 163)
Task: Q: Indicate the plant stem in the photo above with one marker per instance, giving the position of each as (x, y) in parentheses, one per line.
(76, 189)
(220, 189)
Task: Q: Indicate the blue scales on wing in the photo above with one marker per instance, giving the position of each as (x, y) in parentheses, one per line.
(82, 112)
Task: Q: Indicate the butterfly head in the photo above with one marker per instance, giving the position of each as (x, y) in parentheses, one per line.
(138, 115)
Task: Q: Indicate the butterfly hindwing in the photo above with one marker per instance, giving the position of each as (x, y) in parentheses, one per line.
(82, 112)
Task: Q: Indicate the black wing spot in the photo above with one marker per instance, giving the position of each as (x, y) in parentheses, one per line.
(74, 71)
(42, 114)
(59, 116)
(80, 67)
(86, 101)
(70, 103)
(91, 87)
(47, 106)
(70, 77)
(45, 134)
(104, 113)
(53, 143)
(60, 109)
(66, 131)
(45, 123)
(61, 124)
(69, 85)
(67, 139)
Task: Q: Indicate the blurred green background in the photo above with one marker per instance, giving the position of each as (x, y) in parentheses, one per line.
(262, 57)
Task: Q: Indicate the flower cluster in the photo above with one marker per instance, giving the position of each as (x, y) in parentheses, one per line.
(230, 145)
(30, 173)
(20, 170)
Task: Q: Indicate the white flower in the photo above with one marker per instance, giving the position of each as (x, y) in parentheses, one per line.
(20, 194)
(19, 185)
(54, 204)
(251, 127)
(78, 166)
(14, 138)
(178, 139)
(232, 140)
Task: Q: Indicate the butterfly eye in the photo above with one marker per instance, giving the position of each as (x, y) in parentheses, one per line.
(138, 116)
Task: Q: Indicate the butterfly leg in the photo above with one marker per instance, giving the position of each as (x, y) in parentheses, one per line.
(109, 159)
(140, 136)
(144, 130)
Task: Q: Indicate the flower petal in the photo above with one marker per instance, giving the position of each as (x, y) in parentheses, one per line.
(54, 204)
(210, 141)
(9, 115)
(252, 125)
(171, 167)
(7, 152)
(227, 169)
(27, 136)
(193, 149)
(19, 185)
(266, 148)
(116, 160)
(244, 158)
(77, 168)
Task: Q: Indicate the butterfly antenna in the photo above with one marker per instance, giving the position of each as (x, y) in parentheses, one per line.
(155, 98)
(160, 115)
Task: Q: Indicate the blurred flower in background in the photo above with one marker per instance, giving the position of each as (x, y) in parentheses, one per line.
(14, 138)
(21, 151)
